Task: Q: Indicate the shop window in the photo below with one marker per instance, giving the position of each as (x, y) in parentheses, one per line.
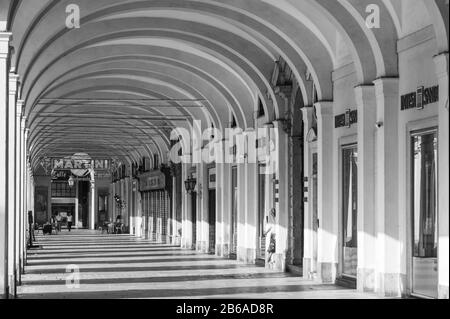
(62, 189)
(349, 209)
(425, 194)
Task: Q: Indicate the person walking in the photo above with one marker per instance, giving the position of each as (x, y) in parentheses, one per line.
(54, 223)
(69, 221)
(58, 222)
(270, 233)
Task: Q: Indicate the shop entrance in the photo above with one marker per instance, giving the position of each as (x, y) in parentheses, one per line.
(63, 210)
(234, 194)
(194, 219)
(315, 214)
(349, 239)
(260, 236)
(424, 214)
(212, 220)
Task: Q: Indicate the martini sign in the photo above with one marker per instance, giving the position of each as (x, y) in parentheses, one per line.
(82, 164)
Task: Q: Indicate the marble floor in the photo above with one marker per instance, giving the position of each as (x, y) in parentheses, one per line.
(122, 266)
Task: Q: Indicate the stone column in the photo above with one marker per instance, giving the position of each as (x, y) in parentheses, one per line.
(327, 255)
(76, 204)
(219, 199)
(203, 217)
(18, 186)
(389, 280)
(442, 70)
(11, 186)
(242, 197)
(280, 155)
(186, 221)
(176, 203)
(366, 106)
(251, 203)
(92, 207)
(23, 132)
(27, 202)
(223, 204)
(308, 228)
(4, 69)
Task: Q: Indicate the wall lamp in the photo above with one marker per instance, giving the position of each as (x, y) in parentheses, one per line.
(189, 184)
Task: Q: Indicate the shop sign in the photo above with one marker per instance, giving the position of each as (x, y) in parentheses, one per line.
(420, 98)
(346, 119)
(69, 164)
(152, 181)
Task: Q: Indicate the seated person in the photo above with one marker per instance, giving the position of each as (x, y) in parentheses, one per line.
(118, 224)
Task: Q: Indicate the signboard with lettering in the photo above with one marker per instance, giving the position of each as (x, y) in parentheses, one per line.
(346, 119)
(420, 98)
(69, 164)
(152, 180)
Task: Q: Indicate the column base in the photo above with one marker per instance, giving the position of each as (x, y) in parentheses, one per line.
(12, 286)
(307, 269)
(186, 243)
(277, 262)
(202, 246)
(175, 240)
(389, 284)
(223, 250)
(246, 255)
(365, 281)
(326, 272)
(443, 292)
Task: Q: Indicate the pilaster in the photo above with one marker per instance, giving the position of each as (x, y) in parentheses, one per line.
(327, 257)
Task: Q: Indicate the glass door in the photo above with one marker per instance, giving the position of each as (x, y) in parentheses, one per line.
(234, 189)
(424, 215)
(315, 213)
(261, 238)
(349, 210)
(212, 220)
(194, 219)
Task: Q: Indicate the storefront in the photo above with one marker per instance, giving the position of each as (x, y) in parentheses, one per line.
(212, 209)
(156, 206)
(234, 213)
(260, 232)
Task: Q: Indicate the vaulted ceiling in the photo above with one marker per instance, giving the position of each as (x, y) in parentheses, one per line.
(135, 70)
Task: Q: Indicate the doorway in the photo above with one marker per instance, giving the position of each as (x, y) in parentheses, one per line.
(194, 219)
(315, 213)
(424, 214)
(234, 194)
(212, 221)
(260, 236)
(349, 239)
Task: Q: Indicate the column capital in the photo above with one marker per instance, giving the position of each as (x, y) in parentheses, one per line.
(5, 37)
(307, 112)
(324, 108)
(364, 94)
(387, 86)
(13, 83)
(441, 62)
(19, 106)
